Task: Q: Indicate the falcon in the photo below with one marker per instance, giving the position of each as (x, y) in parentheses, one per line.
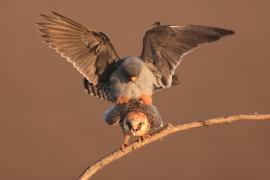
(117, 79)
(136, 119)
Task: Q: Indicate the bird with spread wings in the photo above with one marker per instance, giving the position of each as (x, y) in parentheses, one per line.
(117, 79)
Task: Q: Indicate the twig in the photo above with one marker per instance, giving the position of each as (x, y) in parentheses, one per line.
(159, 135)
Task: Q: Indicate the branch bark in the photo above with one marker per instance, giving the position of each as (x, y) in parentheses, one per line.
(159, 135)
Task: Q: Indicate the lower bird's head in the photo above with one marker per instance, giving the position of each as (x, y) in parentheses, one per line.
(132, 67)
(136, 123)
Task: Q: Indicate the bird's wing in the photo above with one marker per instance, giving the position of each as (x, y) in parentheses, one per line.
(90, 52)
(112, 115)
(165, 45)
(152, 115)
(102, 92)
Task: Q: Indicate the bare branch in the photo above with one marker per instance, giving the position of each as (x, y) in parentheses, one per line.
(159, 135)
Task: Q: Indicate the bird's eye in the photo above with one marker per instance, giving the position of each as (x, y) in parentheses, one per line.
(129, 125)
(140, 125)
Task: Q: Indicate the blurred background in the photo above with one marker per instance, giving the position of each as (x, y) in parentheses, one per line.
(51, 129)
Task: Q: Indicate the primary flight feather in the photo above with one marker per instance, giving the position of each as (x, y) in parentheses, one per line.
(117, 79)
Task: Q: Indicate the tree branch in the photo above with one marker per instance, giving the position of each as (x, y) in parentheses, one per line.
(159, 135)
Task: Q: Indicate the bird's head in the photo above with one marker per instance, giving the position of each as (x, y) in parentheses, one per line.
(136, 123)
(132, 68)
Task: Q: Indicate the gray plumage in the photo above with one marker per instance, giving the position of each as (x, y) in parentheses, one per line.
(122, 86)
(165, 45)
(106, 74)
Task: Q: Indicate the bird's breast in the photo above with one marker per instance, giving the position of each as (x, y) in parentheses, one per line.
(121, 86)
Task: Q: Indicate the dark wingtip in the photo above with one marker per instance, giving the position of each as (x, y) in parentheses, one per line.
(37, 24)
(229, 32)
(54, 13)
(43, 15)
(225, 32)
(175, 80)
(57, 14)
(219, 33)
(156, 24)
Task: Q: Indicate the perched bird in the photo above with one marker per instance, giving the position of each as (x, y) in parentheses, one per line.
(117, 79)
(135, 119)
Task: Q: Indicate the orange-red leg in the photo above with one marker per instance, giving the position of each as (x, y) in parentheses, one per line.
(146, 99)
(143, 138)
(122, 100)
(125, 144)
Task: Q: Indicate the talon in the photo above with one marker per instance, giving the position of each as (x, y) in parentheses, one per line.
(123, 147)
(125, 144)
(206, 123)
(143, 138)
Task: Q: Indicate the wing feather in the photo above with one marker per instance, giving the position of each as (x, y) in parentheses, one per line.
(90, 52)
(165, 45)
(84, 48)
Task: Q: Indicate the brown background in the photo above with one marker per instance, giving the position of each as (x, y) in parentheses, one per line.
(50, 129)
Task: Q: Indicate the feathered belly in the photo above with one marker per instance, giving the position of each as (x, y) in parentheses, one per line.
(131, 90)
(122, 86)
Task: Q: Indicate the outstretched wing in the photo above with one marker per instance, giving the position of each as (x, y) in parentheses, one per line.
(165, 45)
(90, 52)
(102, 92)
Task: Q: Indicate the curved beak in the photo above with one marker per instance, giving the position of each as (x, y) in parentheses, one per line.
(133, 78)
(133, 133)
